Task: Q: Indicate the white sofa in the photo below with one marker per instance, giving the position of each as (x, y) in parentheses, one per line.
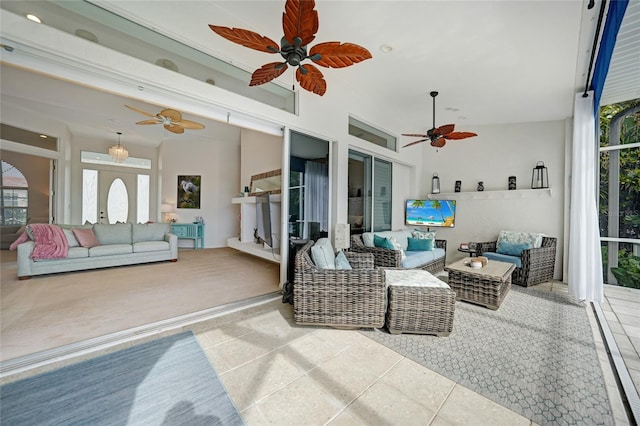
(119, 244)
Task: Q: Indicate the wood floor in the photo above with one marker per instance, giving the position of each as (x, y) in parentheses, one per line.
(54, 310)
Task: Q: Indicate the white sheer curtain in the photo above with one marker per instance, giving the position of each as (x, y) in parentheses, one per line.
(585, 259)
(316, 195)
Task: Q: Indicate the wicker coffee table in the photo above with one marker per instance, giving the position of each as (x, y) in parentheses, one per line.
(486, 286)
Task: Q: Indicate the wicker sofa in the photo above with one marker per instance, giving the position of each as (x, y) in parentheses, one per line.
(533, 266)
(386, 258)
(337, 297)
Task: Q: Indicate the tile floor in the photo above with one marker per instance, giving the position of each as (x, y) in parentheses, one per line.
(279, 373)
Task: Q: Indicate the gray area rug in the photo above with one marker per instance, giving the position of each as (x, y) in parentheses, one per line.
(535, 355)
(166, 382)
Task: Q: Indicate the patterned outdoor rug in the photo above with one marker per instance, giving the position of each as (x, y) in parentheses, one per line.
(535, 355)
(163, 382)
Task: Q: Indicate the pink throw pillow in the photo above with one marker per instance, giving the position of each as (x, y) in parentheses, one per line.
(85, 237)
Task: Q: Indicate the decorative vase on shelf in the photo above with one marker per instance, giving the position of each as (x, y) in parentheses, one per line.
(512, 183)
(480, 186)
(458, 186)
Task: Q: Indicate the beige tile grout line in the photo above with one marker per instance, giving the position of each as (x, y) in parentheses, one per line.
(364, 390)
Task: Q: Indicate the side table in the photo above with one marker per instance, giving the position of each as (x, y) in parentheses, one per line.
(193, 231)
(472, 252)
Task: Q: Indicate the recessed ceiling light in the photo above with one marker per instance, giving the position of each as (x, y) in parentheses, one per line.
(43, 136)
(211, 81)
(34, 18)
(87, 35)
(168, 64)
(386, 48)
(451, 109)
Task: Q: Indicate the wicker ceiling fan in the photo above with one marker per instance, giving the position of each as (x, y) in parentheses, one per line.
(438, 135)
(299, 24)
(170, 118)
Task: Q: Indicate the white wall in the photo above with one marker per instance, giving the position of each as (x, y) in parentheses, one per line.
(495, 154)
(259, 153)
(218, 162)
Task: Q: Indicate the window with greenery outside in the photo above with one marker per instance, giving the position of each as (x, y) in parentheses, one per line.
(626, 153)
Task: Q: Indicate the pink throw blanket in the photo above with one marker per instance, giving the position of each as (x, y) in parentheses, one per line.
(50, 241)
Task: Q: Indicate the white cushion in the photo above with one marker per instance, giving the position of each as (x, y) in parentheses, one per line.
(533, 239)
(412, 278)
(400, 235)
(323, 255)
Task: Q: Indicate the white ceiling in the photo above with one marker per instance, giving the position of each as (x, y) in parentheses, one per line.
(493, 62)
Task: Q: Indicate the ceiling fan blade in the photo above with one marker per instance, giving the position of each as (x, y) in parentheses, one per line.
(247, 38)
(191, 125)
(311, 80)
(447, 128)
(148, 114)
(174, 128)
(300, 19)
(459, 135)
(415, 135)
(171, 114)
(439, 143)
(156, 121)
(413, 143)
(334, 54)
(267, 72)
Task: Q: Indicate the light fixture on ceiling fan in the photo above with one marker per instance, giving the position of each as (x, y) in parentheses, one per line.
(170, 118)
(299, 24)
(438, 135)
(118, 152)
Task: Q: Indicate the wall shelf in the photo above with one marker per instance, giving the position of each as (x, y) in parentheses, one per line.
(493, 195)
(248, 222)
(255, 249)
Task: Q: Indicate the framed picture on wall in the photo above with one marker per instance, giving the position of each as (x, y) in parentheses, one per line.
(188, 192)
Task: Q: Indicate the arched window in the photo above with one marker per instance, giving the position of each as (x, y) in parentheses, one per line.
(15, 196)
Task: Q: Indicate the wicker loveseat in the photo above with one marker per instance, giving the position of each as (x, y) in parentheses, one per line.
(533, 266)
(338, 297)
(386, 258)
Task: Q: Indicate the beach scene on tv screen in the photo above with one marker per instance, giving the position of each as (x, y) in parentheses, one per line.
(431, 212)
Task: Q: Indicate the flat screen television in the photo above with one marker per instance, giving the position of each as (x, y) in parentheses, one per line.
(430, 213)
(263, 218)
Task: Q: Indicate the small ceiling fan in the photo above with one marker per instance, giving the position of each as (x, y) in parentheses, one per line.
(170, 118)
(438, 135)
(299, 24)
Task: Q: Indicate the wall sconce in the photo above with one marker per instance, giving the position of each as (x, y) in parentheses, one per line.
(539, 176)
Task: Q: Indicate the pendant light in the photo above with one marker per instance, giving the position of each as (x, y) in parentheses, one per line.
(118, 152)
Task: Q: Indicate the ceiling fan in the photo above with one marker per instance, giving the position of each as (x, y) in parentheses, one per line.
(438, 135)
(170, 118)
(299, 24)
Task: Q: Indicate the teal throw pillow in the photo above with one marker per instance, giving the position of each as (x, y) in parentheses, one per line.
(383, 242)
(342, 262)
(512, 249)
(417, 244)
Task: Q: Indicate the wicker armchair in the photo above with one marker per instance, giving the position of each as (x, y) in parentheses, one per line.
(337, 297)
(385, 258)
(537, 264)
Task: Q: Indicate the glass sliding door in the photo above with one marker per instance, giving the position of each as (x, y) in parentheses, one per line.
(382, 197)
(369, 205)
